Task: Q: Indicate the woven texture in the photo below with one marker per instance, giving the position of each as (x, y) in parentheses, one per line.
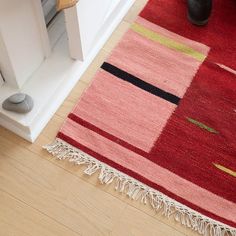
(63, 4)
(162, 110)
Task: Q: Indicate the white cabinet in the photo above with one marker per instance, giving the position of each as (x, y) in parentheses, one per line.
(37, 60)
(20, 41)
(84, 22)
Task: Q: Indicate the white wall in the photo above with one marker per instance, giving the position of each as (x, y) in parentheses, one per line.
(21, 46)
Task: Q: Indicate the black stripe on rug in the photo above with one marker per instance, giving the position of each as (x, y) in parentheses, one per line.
(140, 83)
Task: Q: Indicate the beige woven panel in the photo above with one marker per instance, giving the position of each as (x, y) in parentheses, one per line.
(62, 4)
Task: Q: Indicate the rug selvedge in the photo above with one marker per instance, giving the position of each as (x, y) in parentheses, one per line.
(139, 191)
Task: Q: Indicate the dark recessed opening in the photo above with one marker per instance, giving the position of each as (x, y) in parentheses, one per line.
(49, 10)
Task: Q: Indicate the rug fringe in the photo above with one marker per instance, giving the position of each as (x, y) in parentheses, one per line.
(139, 191)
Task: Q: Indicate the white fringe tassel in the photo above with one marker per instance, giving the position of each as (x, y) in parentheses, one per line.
(139, 191)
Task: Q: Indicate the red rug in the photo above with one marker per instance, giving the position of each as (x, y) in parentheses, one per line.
(219, 33)
(159, 118)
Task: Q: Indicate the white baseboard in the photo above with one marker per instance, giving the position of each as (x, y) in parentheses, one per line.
(53, 81)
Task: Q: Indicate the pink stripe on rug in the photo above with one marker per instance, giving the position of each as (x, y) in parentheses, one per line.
(154, 63)
(142, 166)
(110, 99)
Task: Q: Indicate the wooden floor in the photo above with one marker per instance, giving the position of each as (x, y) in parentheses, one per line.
(40, 196)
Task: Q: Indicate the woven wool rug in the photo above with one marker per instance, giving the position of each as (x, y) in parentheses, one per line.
(159, 118)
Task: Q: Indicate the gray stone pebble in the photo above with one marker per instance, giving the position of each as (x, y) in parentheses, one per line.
(19, 103)
(17, 98)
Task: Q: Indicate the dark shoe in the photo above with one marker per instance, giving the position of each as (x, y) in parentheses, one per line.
(199, 11)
